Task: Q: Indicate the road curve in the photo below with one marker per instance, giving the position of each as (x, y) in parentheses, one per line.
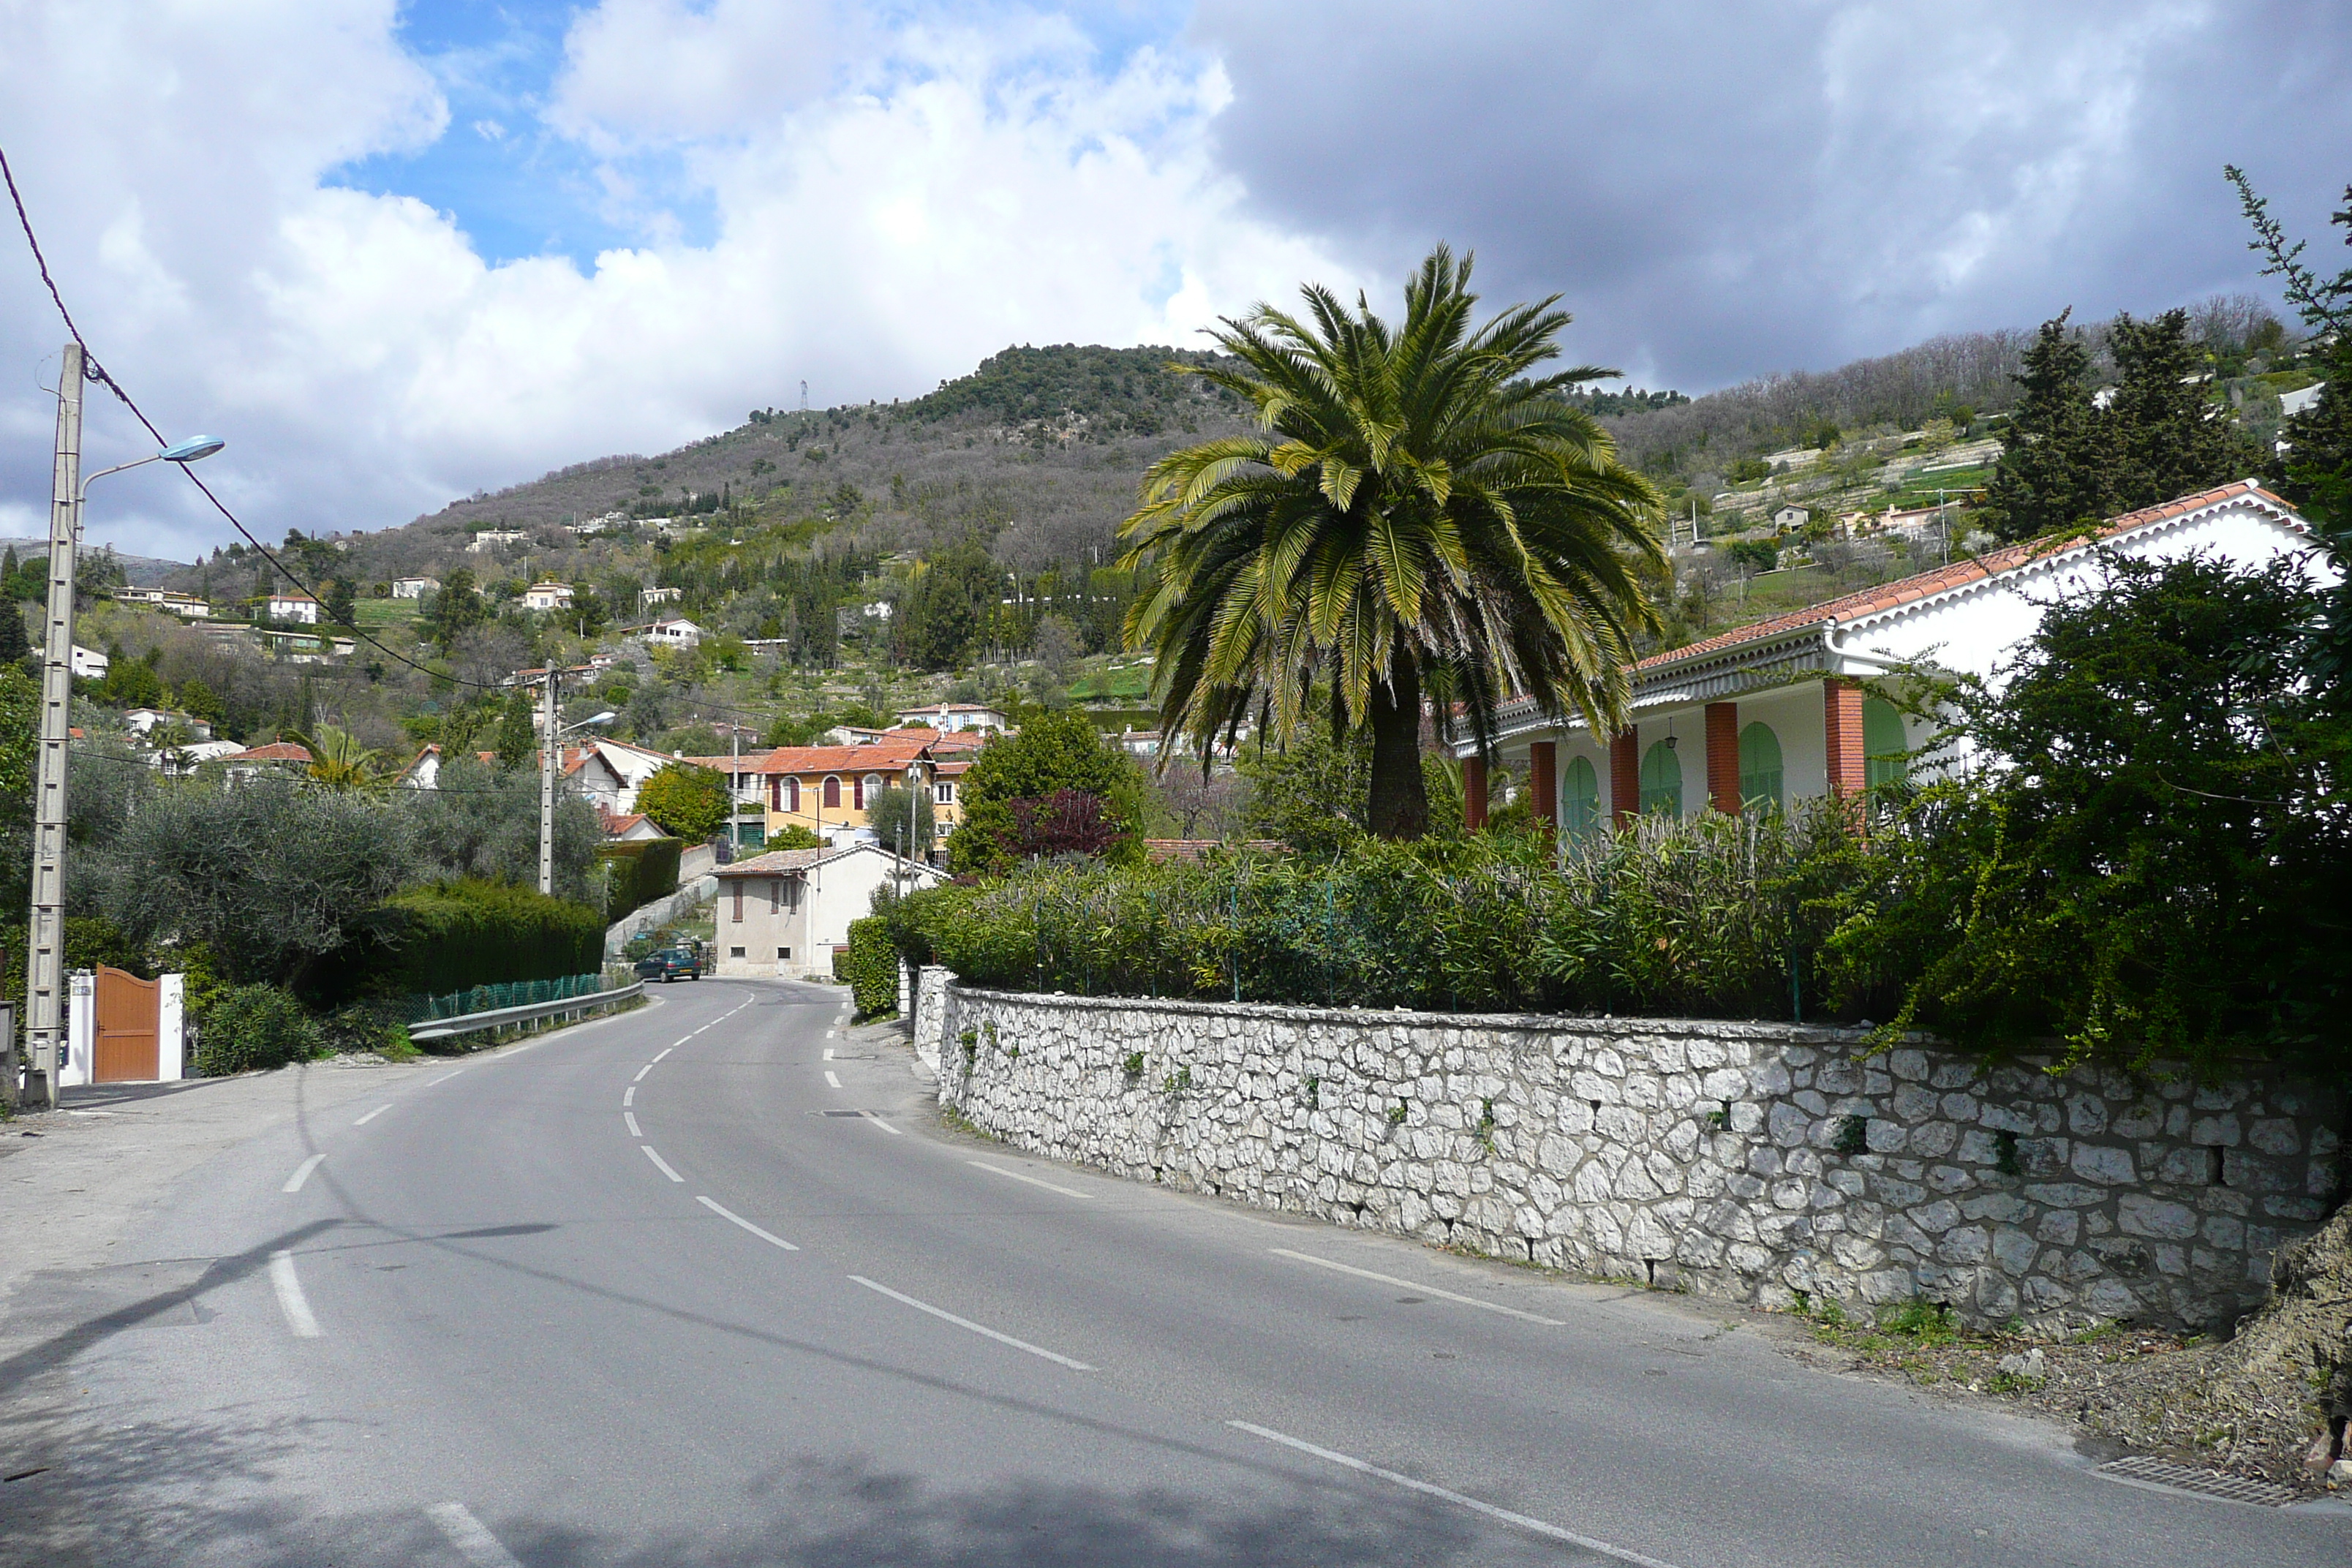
(707, 1284)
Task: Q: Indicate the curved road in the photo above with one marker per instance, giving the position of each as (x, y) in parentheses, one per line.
(707, 1284)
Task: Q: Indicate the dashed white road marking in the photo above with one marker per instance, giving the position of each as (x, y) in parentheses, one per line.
(631, 1118)
(660, 1164)
(444, 1078)
(302, 1174)
(948, 1317)
(832, 1079)
(1018, 1176)
(832, 1034)
(665, 1050)
(747, 1225)
(641, 1073)
(828, 1053)
(474, 1543)
(629, 1097)
(290, 1300)
(371, 1115)
(1535, 1526)
(1416, 1285)
(876, 1117)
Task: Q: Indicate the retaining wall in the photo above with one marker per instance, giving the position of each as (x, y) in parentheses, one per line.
(1743, 1161)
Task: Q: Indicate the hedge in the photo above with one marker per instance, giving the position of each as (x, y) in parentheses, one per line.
(870, 966)
(642, 870)
(454, 936)
(250, 1027)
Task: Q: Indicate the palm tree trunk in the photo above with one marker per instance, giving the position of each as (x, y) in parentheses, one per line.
(1400, 805)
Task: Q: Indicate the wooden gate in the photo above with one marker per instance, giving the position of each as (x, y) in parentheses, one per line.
(126, 1017)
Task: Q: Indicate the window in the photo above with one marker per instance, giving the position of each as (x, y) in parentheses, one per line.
(776, 897)
(1760, 768)
(734, 953)
(738, 901)
(832, 793)
(784, 952)
(1579, 797)
(867, 788)
(1661, 780)
(789, 795)
(1886, 753)
(943, 792)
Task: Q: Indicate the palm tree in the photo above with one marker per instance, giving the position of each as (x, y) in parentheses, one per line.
(339, 762)
(1417, 515)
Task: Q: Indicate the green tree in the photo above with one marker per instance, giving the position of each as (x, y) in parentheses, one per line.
(1314, 793)
(455, 606)
(343, 603)
(198, 701)
(1052, 753)
(517, 740)
(2053, 472)
(15, 646)
(687, 801)
(1419, 515)
(886, 810)
(2169, 436)
(131, 683)
(949, 606)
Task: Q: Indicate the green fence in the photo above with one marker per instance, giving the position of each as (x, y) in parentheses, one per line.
(489, 998)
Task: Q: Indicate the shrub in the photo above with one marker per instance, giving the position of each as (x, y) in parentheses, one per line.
(870, 966)
(641, 872)
(254, 1026)
(457, 935)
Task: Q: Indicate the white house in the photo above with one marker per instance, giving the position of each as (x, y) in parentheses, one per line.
(413, 587)
(1781, 711)
(289, 605)
(783, 914)
(145, 721)
(670, 631)
(1792, 517)
(186, 605)
(630, 765)
(950, 718)
(660, 595)
(547, 596)
(87, 664)
(491, 537)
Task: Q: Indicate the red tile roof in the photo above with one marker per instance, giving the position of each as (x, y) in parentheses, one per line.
(276, 751)
(1960, 574)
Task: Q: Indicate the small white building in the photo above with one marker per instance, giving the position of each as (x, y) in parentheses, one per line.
(670, 631)
(547, 596)
(783, 914)
(87, 664)
(413, 587)
(661, 595)
(491, 537)
(952, 717)
(2300, 400)
(1790, 517)
(289, 605)
(145, 722)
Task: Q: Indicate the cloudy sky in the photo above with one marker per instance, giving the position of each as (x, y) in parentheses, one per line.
(398, 252)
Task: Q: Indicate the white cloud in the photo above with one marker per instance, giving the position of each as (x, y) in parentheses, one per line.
(876, 221)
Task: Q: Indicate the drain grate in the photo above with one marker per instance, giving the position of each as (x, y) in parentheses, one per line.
(840, 1113)
(2205, 1483)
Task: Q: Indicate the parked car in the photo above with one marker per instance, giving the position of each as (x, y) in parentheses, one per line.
(669, 964)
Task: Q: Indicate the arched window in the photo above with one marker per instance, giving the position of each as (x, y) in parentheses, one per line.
(833, 792)
(1579, 797)
(791, 796)
(1760, 768)
(1886, 753)
(1661, 780)
(866, 786)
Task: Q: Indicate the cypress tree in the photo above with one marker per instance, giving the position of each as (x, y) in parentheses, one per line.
(2053, 471)
(516, 739)
(15, 647)
(2169, 436)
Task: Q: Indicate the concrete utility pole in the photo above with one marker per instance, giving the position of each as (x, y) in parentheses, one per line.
(551, 736)
(45, 977)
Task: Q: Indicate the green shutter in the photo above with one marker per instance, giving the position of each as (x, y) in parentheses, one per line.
(1661, 780)
(1760, 768)
(1579, 797)
(1886, 753)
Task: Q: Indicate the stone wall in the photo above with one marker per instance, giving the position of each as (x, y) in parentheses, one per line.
(1744, 1161)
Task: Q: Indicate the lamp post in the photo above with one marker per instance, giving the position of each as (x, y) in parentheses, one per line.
(45, 940)
(550, 743)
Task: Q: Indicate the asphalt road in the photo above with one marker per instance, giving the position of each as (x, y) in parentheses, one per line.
(707, 1284)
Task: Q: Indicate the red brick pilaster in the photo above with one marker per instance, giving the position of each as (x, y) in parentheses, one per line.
(1543, 779)
(1474, 792)
(1842, 737)
(1723, 756)
(1624, 777)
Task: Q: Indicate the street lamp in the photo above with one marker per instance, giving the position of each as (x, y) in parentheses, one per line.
(45, 937)
(551, 732)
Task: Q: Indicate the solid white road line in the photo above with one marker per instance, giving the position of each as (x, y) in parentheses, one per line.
(289, 1297)
(1016, 1176)
(475, 1543)
(832, 1078)
(876, 1117)
(444, 1078)
(975, 1328)
(1417, 1286)
(746, 1224)
(660, 1163)
(629, 1097)
(1536, 1526)
(631, 1118)
(302, 1174)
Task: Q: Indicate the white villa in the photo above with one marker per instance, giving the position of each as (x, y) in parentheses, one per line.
(670, 631)
(491, 537)
(547, 596)
(1781, 711)
(413, 587)
(290, 605)
(953, 718)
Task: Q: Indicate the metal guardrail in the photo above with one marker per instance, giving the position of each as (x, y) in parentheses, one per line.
(500, 1017)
